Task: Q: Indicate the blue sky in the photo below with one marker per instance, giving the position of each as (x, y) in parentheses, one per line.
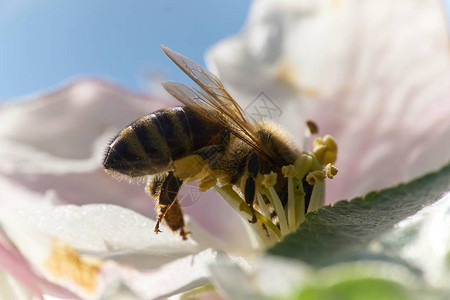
(45, 43)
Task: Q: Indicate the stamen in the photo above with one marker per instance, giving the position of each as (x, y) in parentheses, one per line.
(262, 205)
(299, 205)
(315, 177)
(278, 206)
(317, 197)
(313, 167)
(265, 211)
(291, 205)
(312, 126)
(325, 149)
(269, 181)
(290, 172)
(302, 165)
(258, 236)
(331, 171)
(238, 204)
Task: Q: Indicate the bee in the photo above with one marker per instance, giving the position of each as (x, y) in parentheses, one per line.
(209, 138)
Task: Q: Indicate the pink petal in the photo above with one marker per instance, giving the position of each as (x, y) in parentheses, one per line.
(53, 145)
(374, 74)
(89, 277)
(17, 266)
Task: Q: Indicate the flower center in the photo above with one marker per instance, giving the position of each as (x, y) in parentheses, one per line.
(275, 220)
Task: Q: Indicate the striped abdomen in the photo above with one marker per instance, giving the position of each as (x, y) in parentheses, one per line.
(149, 144)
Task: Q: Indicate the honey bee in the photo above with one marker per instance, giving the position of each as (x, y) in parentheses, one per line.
(209, 138)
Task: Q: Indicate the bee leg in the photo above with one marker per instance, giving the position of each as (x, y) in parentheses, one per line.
(175, 220)
(213, 153)
(250, 186)
(165, 188)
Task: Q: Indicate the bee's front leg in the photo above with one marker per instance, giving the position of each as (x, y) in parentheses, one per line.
(165, 189)
(212, 153)
(250, 186)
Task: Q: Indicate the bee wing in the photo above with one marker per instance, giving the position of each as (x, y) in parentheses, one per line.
(209, 82)
(206, 106)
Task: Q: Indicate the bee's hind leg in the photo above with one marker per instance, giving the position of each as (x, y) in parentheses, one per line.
(250, 186)
(175, 220)
(165, 189)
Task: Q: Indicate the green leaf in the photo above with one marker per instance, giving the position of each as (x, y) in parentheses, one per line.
(343, 231)
(366, 288)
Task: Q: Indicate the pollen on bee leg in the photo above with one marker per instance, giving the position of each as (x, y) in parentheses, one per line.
(206, 183)
(325, 149)
(188, 167)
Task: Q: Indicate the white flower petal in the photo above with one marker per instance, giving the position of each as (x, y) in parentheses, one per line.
(10, 288)
(176, 277)
(423, 240)
(56, 141)
(233, 282)
(270, 276)
(117, 233)
(371, 73)
(93, 278)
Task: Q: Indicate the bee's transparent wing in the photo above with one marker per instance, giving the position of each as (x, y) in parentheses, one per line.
(209, 82)
(202, 104)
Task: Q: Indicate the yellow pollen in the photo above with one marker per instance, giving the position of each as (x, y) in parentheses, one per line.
(325, 149)
(289, 171)
(315, 176)
(206, 183)
(331, 171)
(269, 180)
(188, 167)
(65, 263)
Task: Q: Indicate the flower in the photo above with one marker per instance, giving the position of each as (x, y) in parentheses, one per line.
(46, 171)
(53, 145)
(296, 280)
(354, 65)
(77, 262)
(374, 75)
